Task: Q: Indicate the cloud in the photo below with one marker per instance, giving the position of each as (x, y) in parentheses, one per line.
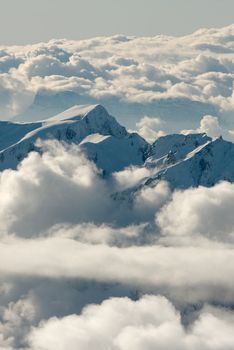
(17, 320)
(8, 61)
(64, 228)
(202, 64)
(149, 200)
(130, 177)
(73, 224)
(205, 211)
(148, 127)
(127, 71)
(210, 125)
(61, 186)
(14, 94)
(44, 65)
(68, 240)
(193, 273)
(121, 324)
(90, 233)
(52, 188)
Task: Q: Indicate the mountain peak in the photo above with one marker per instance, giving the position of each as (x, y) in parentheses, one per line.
(178, 145)
(77, 111)
(207, 164)
(71, 126)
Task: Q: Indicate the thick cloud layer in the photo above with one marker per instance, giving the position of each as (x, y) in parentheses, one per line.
(176, 78)
(205, 211)
(186, 274)
(69, 240)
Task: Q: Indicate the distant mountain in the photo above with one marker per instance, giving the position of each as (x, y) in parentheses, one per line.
(178, 113)
(182, 160)
(47, 104)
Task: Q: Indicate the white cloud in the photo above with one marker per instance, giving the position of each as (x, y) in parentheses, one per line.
(148, 127)
(150, 199)
(210, 126)
(60, 195)
(51, 189)
(17, 320)
(130, 177)
(195, 273)
(149, 323)
(72, 231)
(198, 67)
(205, 211)
(60, 186)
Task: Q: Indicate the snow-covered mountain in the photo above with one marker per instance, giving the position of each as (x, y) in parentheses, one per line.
(103, 139)
(174, 148)
(182, 160)
(208, 163)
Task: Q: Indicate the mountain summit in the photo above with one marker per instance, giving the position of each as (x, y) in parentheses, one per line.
(112, 150)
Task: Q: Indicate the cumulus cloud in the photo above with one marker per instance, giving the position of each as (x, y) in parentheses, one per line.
(8, 61)
(128, 72)
(205, 211)
(148, 127)
(52, 188)
(121, 324)
(149, 200)
(210, 125)
(17, 319)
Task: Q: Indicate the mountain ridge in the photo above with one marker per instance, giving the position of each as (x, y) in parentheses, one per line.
(181, 160)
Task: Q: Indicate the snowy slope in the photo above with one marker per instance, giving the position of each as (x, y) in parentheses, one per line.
(113, 154)
(172, 148)
(11, 133)
(206, 165)
(73, 126)
(184, 161)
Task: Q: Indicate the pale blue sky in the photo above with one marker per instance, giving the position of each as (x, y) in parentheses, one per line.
(27, 21)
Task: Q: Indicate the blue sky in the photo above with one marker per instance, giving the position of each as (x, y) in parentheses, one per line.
(28, 21)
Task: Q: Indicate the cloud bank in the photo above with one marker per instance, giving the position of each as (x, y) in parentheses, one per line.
(166, 75)
(67, 241)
